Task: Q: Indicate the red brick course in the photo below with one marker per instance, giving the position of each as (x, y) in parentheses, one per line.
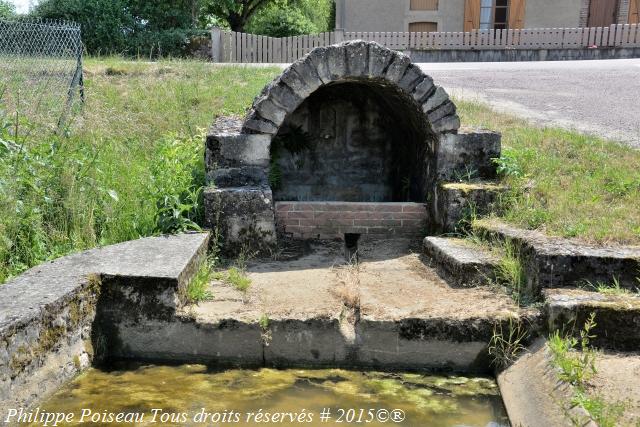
(330, 220)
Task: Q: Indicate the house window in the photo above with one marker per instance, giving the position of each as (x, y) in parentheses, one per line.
(494, 14)
(423, 27)
(424, 5)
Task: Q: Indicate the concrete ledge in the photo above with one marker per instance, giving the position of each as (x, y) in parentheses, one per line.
(461, 262)
(617, 316)
(555, 262)
(48, 314)
(515, 55)
(533, 395)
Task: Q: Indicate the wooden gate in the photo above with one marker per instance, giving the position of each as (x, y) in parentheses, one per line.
(602, 13)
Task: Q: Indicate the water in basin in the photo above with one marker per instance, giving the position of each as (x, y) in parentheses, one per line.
(184, 395)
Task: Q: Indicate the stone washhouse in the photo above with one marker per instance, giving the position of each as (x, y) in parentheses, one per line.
(353, 139)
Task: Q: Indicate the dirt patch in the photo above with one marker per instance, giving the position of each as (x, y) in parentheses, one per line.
(617, 381)
(393, 283)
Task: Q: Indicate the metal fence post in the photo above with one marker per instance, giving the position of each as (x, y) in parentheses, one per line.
(216, 44)
(339, 32)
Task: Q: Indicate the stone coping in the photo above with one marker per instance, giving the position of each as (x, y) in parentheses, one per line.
(26, 297)
(547, 245)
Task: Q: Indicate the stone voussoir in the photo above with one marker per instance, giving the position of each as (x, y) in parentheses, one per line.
(357, 57)
(461, 262)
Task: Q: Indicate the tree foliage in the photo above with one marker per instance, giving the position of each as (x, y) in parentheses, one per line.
(130, 27)
(167, 27)
(7, 10)
(236, 13)
(283, 18)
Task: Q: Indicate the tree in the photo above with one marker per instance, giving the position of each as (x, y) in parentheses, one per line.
(7, 10)
(106, 24)
(237, 13)
(284, 18)
(133, 27)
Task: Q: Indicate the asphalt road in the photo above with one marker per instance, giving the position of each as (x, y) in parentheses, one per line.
(598, 97)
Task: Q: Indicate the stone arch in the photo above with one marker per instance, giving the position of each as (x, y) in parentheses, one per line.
(366, 63)
(239, 198)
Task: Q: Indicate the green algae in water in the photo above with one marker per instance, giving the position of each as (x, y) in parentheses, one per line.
(182, 392)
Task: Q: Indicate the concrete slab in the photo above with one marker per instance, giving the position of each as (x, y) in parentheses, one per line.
(390, 311)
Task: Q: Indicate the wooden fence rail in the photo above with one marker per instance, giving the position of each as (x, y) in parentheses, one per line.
(230, 46)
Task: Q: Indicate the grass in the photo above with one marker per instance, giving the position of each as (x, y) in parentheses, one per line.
(129, 165)
(563, 182)
(612, 288)
(236, 277)
(506, 346)
(198, 288)
(575, 360)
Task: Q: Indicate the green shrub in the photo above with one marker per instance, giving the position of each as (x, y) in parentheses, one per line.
(281, 21)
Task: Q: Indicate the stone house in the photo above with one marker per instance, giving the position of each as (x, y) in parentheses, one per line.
(467, 15)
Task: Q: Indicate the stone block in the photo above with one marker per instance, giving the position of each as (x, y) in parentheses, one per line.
(251, 176)
(236, 150)
(617, 316)
(446, 109)
(379, 59)
(356, 56)
(270, 111)
(446, 124)
(423, 89)
(302, 78)
(255, 124)
(397, 68)
(468, 153)
(456, 203)
(461, 262)
(244, 217)
(438, 98)
(284, 96)
(411, 78)
(318, 58)
(336, 62)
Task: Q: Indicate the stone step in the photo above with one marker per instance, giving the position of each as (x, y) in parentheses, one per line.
(617, 315)
(60, 316)
(457, 202)
(461, 262)
(556, 262)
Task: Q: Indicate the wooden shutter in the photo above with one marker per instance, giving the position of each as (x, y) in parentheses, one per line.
(602, 13)
(516, 14)
(471, 15)
(634, 11)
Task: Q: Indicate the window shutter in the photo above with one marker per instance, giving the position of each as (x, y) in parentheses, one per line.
(634, 11)
(471, 15)
(516, 14)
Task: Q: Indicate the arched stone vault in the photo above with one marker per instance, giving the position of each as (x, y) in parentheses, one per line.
(355, 61)
(239, 201)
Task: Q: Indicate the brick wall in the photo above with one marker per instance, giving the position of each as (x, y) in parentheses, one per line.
(329, 220)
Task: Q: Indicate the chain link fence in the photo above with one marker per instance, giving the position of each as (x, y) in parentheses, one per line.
(40, 71)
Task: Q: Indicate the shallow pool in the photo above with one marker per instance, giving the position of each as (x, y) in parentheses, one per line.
(193, 395)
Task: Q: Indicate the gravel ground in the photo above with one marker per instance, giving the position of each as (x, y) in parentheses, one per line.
(597, 97)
